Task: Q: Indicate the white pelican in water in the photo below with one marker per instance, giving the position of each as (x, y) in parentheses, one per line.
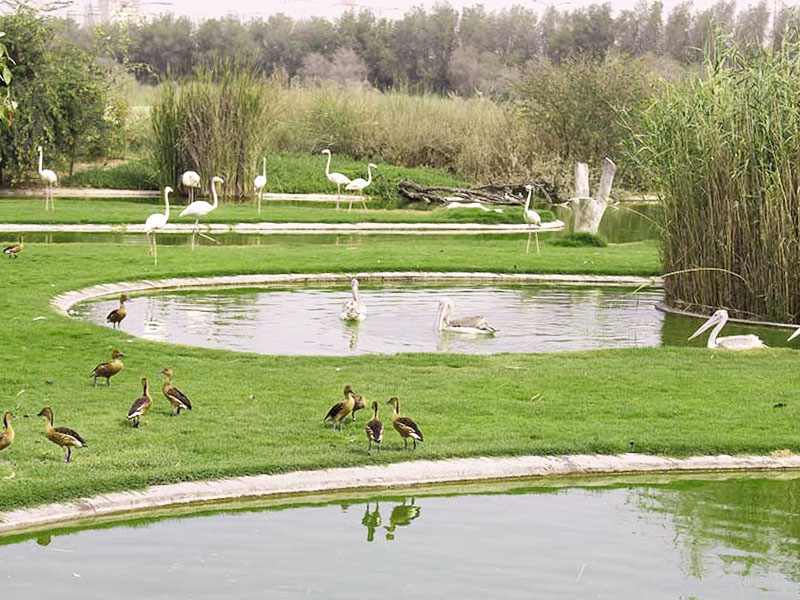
(473, 325)
(733, 342)
(354, 309)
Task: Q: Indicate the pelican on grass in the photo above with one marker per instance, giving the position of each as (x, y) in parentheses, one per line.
(733, 342)
(336, 179)
(471, 325)
(201, 208)
(354, 309)
(155, 222)
(532, 219)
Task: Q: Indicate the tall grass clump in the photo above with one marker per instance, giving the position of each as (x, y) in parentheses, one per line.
(724, 151)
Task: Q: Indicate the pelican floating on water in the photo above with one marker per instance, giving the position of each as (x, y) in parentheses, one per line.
(733, 342)
(471, 325)
(354, 309)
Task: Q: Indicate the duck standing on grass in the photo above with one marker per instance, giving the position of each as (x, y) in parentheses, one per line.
(177, 398)
(61, 436)
(108, 369)
(141, 405)
(116, 316)
(374, 429)
(14, 250)
(341, 410)
(7, 437)
(404, 426)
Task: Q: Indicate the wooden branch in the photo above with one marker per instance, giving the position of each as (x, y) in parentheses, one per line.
(494, 194)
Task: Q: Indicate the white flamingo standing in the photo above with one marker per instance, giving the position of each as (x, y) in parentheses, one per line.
(155, 222)
(260, 183)
(733, 342)
(335, 178)
(189, 181)
(201, 208)
(470, 325)
(50, 179)
(532, 218)
(354, 309)
(360, 184)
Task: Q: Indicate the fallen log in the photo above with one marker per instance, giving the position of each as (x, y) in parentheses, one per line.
(494, 194)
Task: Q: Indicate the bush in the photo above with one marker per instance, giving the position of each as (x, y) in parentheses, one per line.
(580, 240)
(132, 175)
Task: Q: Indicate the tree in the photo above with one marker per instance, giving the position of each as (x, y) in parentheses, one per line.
(677, 40)
(751, 26)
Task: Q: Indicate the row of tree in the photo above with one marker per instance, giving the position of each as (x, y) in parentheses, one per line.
(440, 49)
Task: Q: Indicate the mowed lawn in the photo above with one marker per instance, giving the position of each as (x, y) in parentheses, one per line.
(262, 414)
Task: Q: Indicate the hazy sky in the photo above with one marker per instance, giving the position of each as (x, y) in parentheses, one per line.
(200, 9)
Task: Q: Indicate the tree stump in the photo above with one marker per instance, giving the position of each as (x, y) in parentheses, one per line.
(588, 211)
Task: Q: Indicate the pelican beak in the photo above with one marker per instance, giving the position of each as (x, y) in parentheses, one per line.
(705, 326)
(794, 335)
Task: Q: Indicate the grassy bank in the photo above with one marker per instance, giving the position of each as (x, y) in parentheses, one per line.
(260, 414)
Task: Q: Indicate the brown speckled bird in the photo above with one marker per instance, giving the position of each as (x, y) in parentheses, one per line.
(108, 369)
(14, 250)
(374, 429)
(177, 398)
(404, 426)
(141, 405)
(7, 437)
(61, 436)
(116, 316)
(340, 411)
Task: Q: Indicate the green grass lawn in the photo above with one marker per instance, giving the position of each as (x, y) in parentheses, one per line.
(107, 211)
(261, 414)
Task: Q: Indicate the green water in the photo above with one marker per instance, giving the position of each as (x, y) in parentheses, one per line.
(693, 537)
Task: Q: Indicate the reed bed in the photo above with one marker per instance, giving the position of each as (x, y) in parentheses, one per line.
(724, 151)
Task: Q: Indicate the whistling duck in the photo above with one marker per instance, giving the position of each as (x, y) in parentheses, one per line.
(7, 437)
(177, 398)
(401, 516)
(358, 404)
(374, 429)
(14, 250)
(371, 520)
(141, 405)
(115, 316)
(108, 369)
(404, 426)
(340, 411)
(62, 436)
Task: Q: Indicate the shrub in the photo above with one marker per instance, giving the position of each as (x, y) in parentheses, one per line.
(133, 175)
(580, 240)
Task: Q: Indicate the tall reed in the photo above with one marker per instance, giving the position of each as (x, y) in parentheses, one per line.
(724, 150)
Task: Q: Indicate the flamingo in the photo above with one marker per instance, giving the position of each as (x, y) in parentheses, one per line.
(260, 183)
(532, 218)
(470, 325)
(335, 178)
(354, 309)
(734, 342)
(49, 178)
(155, 222)
(189, 181)
(359, 185)
(201, 208)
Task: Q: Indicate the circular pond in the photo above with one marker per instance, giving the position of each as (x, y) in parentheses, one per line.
(680, 538)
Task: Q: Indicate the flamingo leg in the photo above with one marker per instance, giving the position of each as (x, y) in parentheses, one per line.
(338, 194)
(363, 201)
(528, 247)
(536, 234)
(155, 250)
(260, 195)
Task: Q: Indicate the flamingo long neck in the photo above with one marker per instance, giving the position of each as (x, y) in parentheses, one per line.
(712, 339)
(166, 204)
(369, 174)
(444, 312)
(264, 167)
(328, 165)
(41, 158)
(528, 200)
(214, 194)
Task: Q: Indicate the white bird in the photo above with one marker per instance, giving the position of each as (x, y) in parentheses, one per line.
(354, 309)
(734, 342)
(201, 208)
(260, 182)
(532, 218)
(471, 325)
(189, 181)
(155, 222)
(794, 335)
(49, 178)
(360, 184)
(335, 178)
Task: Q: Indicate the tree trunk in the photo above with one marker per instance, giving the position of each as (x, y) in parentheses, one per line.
(588, 211)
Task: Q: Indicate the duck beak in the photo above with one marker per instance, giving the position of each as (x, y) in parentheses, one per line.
(794, 335)
(707, 325)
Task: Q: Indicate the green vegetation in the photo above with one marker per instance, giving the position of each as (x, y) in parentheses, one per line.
(580, 240)
(135, 174)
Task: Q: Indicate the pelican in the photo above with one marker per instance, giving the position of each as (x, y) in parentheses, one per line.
(201, 208)
(260, 183)
(360, 184)
(733, 342)
(155, 222)
(532, 218)
(354, 309)
(471, 325)
(335, 178)
(190, 180)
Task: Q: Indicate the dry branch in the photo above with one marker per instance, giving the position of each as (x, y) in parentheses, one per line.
(496, 194)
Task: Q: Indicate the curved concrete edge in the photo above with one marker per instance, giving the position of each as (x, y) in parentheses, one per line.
(406, 474)
(63, 302)
(266, 228)
(665, 308)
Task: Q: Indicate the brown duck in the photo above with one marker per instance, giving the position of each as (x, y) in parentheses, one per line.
(14, 250)
(62, 436)
(7, 437)
(177, 398)
(115, 316)
(404, 426)
(141, 405)
(358, 404)
(340, 411)
(374, 429)
(108, 369)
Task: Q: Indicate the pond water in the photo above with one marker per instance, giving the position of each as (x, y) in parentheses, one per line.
(304, 320)
(682, 538)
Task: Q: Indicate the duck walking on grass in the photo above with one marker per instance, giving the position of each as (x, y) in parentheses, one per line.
(116, 316)
(177, 398)
(14, 250)
(62, 436)
(7, 437)
(108, 369)
(341, 410)
(374, 429)
(141, 405)
(404, 425)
